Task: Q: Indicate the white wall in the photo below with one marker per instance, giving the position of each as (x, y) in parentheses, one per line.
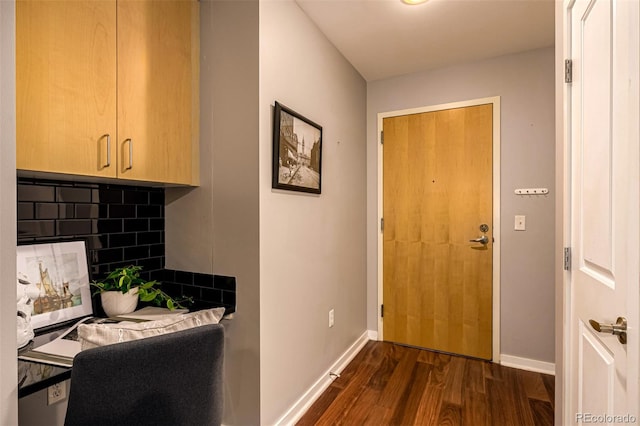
(312, 247)
(8, 361)
(525, 83)
(214, 228)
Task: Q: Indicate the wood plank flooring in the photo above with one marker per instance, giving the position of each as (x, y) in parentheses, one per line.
(388, 384)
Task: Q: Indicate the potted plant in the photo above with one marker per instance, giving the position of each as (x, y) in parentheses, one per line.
(123, 287)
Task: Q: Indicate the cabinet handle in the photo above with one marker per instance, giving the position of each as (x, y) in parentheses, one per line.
(130, 153)
(108, 136)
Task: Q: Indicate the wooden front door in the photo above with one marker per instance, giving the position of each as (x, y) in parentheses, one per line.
(437, 194)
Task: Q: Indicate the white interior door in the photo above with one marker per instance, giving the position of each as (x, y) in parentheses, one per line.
(604, 279)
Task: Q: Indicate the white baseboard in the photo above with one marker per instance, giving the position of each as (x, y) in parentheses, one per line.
(373, 334)
(295, 412)
(528, 364)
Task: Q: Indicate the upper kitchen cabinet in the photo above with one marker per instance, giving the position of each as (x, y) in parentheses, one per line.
(66, 86)
(158, 73)
(69, 54)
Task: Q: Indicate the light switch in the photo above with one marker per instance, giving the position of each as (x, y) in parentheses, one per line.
(520, 223)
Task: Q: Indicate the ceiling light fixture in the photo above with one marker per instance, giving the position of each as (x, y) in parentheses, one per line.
(414, 2)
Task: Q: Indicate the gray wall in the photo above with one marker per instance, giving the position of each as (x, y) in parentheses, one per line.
(8, 361)
(214, 228)
(294, 256)
(525, 83)
(312, 247)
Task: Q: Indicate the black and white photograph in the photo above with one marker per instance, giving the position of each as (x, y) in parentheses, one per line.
(53, 279)
(297, 151)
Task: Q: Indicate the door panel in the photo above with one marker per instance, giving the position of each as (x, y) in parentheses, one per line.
(605, 162)
(597, 374)
(437, 191)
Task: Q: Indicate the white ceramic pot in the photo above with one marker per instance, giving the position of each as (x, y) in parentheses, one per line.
(116, 303)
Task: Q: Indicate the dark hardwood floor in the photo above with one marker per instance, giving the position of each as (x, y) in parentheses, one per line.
(388, 384)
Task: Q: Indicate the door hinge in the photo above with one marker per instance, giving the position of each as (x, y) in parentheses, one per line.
(381, 311)
(567, 258)
(382, 224)
(568, 71)
(381, 137)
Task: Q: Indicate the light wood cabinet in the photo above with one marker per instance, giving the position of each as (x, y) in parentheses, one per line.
(66, 86)
(97, 98)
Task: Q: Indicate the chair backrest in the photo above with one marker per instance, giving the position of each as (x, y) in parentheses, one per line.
(172, 379)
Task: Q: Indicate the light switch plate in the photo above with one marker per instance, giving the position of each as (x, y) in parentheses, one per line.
(520, 224)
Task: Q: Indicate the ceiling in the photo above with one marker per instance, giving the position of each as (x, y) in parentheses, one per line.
(386, 38)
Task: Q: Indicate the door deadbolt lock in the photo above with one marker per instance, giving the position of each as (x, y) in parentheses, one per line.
(484, 227)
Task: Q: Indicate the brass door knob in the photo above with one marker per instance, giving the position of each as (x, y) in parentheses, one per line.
(619, 328)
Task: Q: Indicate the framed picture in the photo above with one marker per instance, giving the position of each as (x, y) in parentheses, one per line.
(53, 279)
(297, 151)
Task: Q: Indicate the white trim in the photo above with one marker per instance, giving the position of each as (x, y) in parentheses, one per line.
(495, 100)
(297, 410)
(373, 334)
(528, 364)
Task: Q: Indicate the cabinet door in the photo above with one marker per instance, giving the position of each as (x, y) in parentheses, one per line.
(157, 89)
(66, 86)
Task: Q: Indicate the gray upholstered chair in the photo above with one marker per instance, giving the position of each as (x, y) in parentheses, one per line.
(172, 379)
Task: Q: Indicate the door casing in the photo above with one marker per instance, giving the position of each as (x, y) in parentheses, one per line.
(495, 101)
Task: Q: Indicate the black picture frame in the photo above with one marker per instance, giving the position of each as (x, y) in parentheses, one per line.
(297, 152)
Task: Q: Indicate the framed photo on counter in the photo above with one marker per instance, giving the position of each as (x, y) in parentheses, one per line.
(53, 278)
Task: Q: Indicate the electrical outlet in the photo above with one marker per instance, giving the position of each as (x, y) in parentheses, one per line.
(331, 318)
(56, 393)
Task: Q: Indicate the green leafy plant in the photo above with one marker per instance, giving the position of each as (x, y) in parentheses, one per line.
(127, 278)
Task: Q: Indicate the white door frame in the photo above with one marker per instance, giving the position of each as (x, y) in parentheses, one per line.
(495, 101)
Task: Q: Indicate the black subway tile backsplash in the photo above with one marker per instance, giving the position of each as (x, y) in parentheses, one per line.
(25, 211)
(137, 252)
(87, 211)
(211, 295)
(229, 298)
(153, 237)
(111, 255)
(36, 193)
(122, 210)
(148, 211)
(150, 263)
(156, 198)
(30, 229)
(184, 277)
(203, 280)
(122, 225)
(110, 225)
(137, 225)
(73, 195)
(73, 227)
(122, 240)
(224, 283)
(46, 211)
(66, 211)
(156, 224)
(136, 197)
(108, 196)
